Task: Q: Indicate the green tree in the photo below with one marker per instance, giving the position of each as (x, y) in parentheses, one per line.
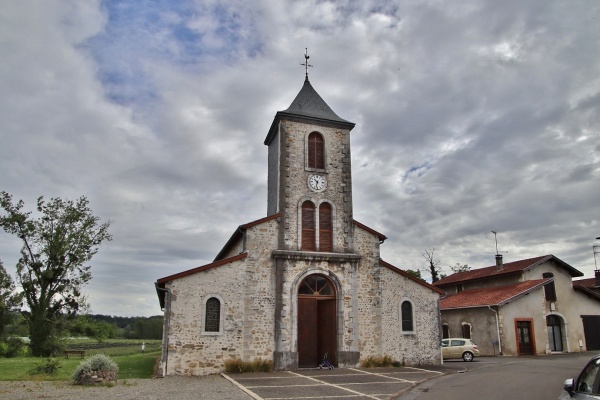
(9, 299)
(415, 272)
(433, 264)
(459, 268)
(53, 268)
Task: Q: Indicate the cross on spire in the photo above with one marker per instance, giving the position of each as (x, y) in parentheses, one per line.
(306, 64)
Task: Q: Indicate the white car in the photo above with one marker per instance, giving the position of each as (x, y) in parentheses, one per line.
(586, 386)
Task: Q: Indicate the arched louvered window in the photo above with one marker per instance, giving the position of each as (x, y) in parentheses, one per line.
(407, 316)
(212, 316)
(316, 151)
(308, 226)
(325, 227)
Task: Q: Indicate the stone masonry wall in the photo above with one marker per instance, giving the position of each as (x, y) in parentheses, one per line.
(190, 350)
(369, 295)
(294, 181)
(246, 290)
(423, 346)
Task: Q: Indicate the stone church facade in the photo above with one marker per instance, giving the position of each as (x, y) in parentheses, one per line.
(305, 280)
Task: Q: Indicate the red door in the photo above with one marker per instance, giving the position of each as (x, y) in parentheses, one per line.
(524, 338)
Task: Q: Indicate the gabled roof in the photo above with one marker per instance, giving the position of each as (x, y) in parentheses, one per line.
(507, 268)
(381, 236)
(409, 276)
(494, 296)
(160, 283)
(308, 105)
(239, 233)
(587, 286)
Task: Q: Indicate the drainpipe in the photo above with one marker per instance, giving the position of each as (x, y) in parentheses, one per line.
(165, 349)
(497, 330)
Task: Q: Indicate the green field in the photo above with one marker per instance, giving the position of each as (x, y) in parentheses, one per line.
(126, 353)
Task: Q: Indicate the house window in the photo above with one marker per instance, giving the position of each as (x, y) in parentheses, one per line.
(407, 316)
(459, 288)
(316, 151)
(549, 289)
(466, 331)
(445, 331)
(212, 315)
(325, 227)
(308, 226)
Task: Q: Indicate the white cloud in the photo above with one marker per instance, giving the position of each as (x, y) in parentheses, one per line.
(470, 118)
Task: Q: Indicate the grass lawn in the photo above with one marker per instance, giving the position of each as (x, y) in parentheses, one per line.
(140, 365)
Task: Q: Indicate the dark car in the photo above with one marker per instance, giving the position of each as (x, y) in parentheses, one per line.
(587, 385)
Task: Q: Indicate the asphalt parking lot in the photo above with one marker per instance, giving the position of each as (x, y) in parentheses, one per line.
(344, 384)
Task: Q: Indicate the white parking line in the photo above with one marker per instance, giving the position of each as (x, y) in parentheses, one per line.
(336, 386)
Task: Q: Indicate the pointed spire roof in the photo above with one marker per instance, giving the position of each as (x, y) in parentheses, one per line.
(308, 105)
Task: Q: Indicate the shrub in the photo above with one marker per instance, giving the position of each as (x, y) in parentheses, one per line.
(96, 363)
(13, 347)
(48, 367)
(239, 366)
(374, 362)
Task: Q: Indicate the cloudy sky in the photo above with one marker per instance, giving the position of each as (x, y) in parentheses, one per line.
(471, 117)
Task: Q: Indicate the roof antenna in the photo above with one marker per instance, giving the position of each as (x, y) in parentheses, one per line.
(496, 239)
(499, 262)
(306, 64)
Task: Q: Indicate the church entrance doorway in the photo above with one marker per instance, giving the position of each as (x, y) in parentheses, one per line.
(317, 327)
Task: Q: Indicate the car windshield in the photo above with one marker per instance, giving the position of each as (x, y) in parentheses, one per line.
(588, 377)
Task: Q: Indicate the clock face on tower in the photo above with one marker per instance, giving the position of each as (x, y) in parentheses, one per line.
(317, 183)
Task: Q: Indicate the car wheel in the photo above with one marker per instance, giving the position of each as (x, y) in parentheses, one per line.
(467, 356)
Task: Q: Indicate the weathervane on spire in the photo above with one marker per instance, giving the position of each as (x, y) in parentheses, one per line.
(306, 64)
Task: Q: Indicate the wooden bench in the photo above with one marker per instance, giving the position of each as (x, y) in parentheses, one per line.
(75, 352)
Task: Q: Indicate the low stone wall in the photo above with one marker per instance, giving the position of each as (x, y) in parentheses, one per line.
(98, 378)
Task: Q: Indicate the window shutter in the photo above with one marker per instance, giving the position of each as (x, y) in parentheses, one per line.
(316, 151)
(549, 289)
(325, 228)
(308, 226)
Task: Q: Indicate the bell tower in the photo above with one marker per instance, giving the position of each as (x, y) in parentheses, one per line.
(309, 175)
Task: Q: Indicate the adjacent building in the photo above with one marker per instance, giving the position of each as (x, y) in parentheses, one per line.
(526, 307)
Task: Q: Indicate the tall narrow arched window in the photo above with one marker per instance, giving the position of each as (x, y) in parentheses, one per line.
(325, 227)
(316, 151)
(308, 226)
(406, 310)
(212, 315)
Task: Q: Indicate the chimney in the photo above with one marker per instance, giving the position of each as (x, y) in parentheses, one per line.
(597, 273)
(499, 263)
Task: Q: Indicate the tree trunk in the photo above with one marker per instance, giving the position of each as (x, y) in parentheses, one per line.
(41, 332)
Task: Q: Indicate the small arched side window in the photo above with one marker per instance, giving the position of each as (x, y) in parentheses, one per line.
(316, 151)
(212, 315)
(406, 311)
(308, 226)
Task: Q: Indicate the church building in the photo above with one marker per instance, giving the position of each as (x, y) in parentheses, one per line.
(305, 280)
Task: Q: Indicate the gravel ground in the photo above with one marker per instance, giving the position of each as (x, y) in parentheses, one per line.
(171, 388)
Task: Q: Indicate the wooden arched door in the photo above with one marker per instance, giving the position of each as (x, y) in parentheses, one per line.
(317, 327)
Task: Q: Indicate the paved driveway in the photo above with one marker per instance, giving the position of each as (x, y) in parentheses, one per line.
(344, 384)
